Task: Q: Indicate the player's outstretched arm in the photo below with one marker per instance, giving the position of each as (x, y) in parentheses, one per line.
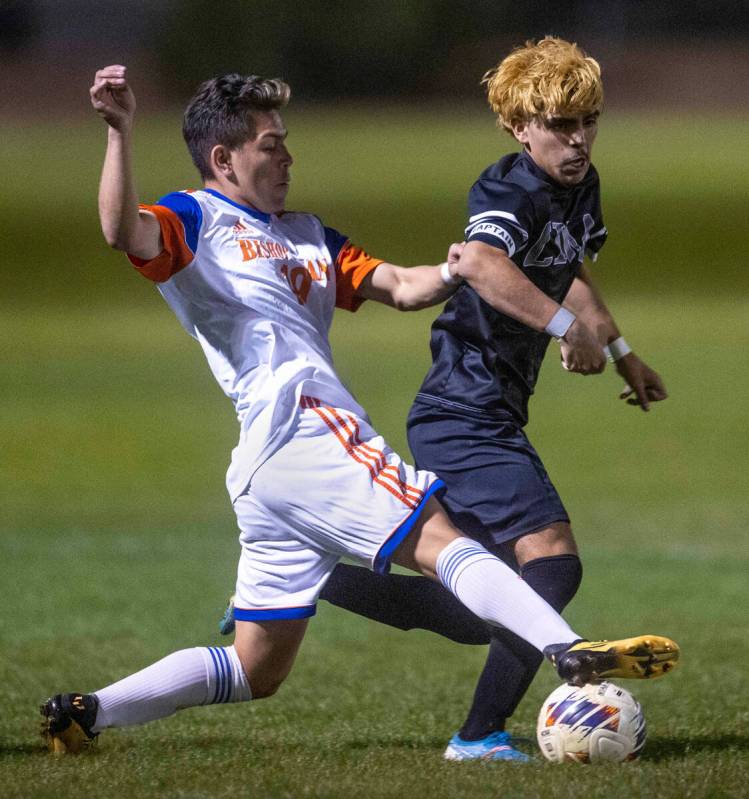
(124, 226)
(498, 282)
(643, 384)
(414, 287)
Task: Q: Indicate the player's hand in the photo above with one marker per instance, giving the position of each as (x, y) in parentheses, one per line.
(581, 351)
(643, 385)
(112, 97)
(453, 257)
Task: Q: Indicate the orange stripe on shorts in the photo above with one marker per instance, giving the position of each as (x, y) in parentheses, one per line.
(384, 466)
(336, 426)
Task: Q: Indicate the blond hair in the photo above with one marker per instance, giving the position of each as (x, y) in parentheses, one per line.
(542, 79)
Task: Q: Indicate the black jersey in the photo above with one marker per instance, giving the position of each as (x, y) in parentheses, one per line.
(482, 359)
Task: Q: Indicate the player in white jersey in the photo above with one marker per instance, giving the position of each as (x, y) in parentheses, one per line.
(310, 479)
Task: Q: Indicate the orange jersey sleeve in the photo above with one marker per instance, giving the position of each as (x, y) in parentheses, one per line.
(351, 267)
(175, 256)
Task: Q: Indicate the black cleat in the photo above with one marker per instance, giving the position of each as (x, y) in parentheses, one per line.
(67, 720)
(641, 658)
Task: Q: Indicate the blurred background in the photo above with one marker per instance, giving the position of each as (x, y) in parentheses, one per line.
(652, 50)
(114, 438)
(389, 128)
(105, 401)
(677, 91)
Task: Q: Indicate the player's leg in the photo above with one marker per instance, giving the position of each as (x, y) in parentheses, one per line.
(482, 582)
(499, 493)
(253, 668)
(492, 591)
(548, 563)
(267, 651)
(278, 580)
(405, 602)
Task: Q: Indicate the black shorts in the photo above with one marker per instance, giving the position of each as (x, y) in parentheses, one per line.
(497, 486)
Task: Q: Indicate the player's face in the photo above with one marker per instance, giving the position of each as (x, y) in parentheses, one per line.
(261, 166)
(560, 145)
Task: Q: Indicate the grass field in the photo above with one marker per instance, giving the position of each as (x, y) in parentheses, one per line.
(118, 545)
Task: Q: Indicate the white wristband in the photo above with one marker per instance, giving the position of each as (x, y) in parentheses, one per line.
(560, 323)
(447, 278)
(616, 349)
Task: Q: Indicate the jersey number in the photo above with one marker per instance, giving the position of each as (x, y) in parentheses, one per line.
(300, 277)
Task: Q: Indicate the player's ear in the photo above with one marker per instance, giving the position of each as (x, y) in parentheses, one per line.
(220, 161)
(520, 130)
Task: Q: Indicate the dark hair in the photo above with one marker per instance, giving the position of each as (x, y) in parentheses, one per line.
(221, 113)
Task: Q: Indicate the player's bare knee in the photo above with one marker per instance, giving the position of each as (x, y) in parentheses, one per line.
(263, 686)
(561, 537)
(555, 539)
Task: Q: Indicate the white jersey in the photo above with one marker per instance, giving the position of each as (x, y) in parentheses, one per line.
(258, 292)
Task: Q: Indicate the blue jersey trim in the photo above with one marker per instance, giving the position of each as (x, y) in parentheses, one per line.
(263, 217)
(334, 241)
(382, 558)
(190, 213)
(271, 614)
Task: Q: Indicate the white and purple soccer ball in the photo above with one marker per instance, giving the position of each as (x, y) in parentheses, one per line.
(591, 724)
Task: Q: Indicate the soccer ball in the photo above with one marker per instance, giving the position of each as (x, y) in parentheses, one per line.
(591, 724)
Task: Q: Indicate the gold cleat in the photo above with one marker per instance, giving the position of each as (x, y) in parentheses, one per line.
(642, 658)
(66, 722)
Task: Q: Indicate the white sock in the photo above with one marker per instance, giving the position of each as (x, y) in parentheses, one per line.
(497, 595)
(199, 676)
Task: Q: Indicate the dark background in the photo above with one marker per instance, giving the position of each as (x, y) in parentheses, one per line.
(654, 51)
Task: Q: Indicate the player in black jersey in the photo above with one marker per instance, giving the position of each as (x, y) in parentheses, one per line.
(533, 217)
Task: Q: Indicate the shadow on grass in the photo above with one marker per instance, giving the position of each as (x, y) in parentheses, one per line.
(659, 749)
(9, 750)
(394, 743)
(218, 744)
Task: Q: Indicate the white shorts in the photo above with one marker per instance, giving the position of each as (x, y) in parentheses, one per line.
(334, 489)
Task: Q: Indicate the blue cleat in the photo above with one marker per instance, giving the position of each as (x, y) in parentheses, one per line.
(496, 746)
(226, 625)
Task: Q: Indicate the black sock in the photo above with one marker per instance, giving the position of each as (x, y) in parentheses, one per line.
(512, 663)
(404, 602)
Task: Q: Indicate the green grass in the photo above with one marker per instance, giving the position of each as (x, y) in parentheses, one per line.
(118, 544)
